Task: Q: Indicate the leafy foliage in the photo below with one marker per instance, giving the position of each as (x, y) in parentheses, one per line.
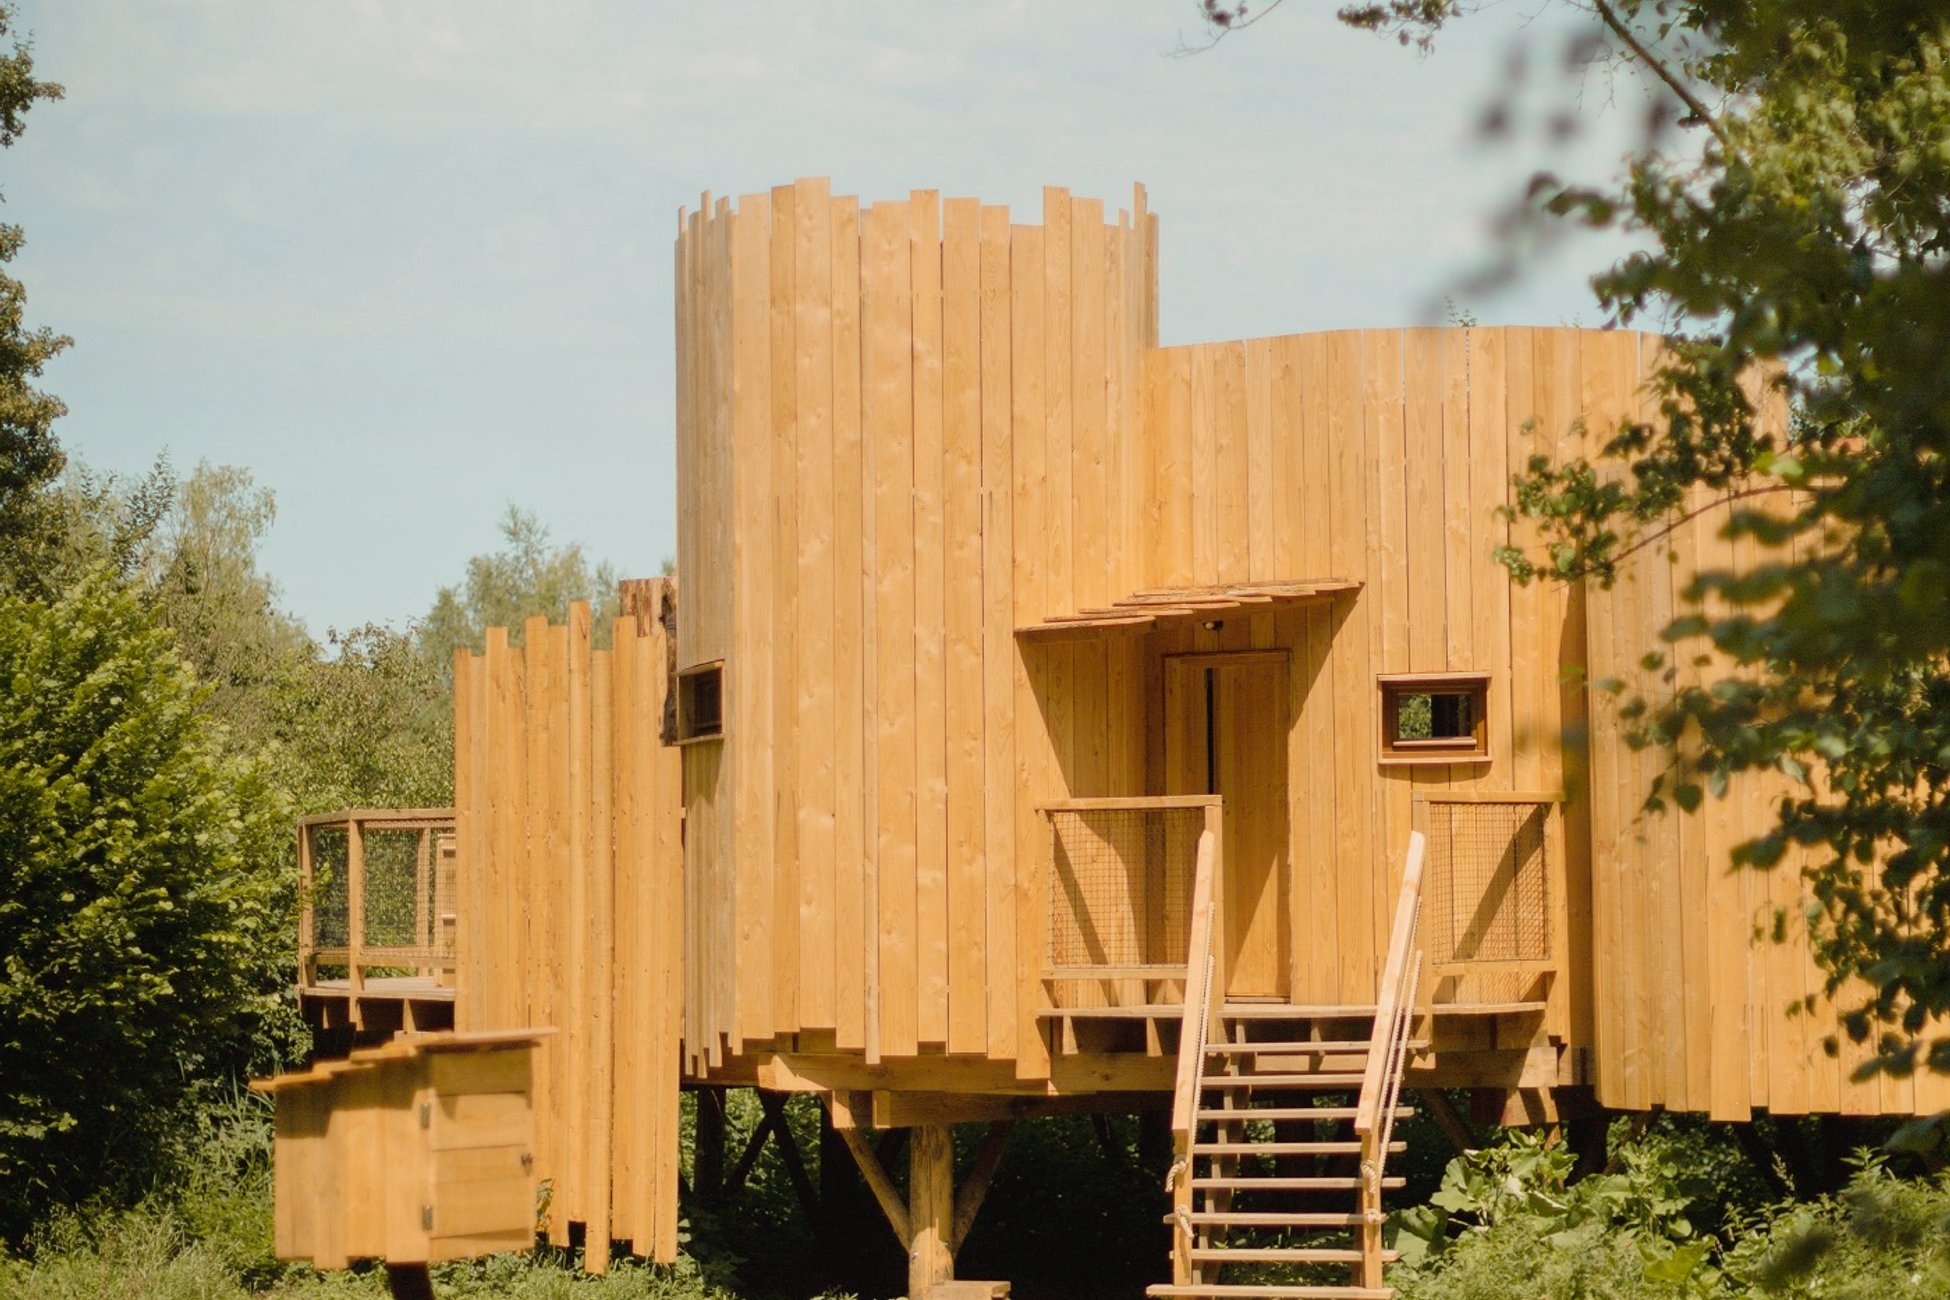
(30, 456)
(1507, 1222)
(141, 910)
(527, 577)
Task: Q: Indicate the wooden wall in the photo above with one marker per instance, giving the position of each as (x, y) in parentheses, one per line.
(908, 429)
(875, 403)
(568, 820)
(1700, 1011)
(1381, 456)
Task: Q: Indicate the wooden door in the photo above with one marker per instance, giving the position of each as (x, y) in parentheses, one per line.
(1226, 734)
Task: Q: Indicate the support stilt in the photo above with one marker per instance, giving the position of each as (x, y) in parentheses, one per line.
(409, 1282)
(708, 1168)
(930, 1208)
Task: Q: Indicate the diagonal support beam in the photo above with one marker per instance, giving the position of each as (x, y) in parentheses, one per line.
(879, 1184)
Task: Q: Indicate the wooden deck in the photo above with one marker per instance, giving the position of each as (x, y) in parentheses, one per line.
(416, 988)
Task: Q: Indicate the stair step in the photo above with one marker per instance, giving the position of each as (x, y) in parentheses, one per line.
(1271, 1291)
(1293, 1112)
(1258, 1219)
(1287, 1011)
(1283, 1255)
(1336, 1047)
(1323, 1080)
(1286, 1148)
(1324, 1183)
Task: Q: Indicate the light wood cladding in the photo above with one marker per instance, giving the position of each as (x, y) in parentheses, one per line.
(938, 486)
(571, 914)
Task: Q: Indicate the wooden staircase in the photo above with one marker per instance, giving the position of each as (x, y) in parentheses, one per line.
(1284, 1120)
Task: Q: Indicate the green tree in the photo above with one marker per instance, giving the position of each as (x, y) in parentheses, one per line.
(370, 724)
(528, 576)
(143, 907)
(201, 572)
(1794, 184)
(30, 456)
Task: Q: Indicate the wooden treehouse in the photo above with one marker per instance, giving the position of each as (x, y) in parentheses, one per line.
(1055, 721)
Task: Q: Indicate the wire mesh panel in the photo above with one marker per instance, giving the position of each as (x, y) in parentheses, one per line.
(407, 899)
(1121, 885)
(331, 917)
(1487, 894)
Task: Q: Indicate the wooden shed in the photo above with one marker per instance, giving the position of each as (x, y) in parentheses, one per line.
(1052, 719)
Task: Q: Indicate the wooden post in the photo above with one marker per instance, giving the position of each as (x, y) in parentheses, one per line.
(1367, 1273)
(355, 916)
(409, 1282)
(422, 890)
(307, 912)
(930, 1208)
(707, 1169)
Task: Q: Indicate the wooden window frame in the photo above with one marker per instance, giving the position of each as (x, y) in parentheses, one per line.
(686, 735)
(1473, 748)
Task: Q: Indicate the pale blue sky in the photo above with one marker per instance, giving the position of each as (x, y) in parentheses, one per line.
(409, 260)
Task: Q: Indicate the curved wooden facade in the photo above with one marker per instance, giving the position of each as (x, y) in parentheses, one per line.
(964, 553)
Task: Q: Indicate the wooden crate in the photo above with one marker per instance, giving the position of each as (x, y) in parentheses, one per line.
(415, 1152)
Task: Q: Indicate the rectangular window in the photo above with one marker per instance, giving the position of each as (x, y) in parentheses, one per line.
(700, 703)
(1435, 718)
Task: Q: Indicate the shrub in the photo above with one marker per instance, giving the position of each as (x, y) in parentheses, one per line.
(142, 906)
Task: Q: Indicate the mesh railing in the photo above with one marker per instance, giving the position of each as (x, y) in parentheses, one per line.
(406, 900)
(1487, 898)
(1121, 888)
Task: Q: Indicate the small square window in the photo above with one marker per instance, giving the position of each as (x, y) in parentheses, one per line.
(700, 703)
(1435, 718)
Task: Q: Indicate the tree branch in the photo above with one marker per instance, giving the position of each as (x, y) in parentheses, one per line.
(1666, 530)
(1610, 18)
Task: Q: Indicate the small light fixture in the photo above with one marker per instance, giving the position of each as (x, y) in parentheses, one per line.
(1213, 624)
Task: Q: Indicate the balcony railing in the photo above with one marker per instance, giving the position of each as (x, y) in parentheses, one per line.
(1120, 881)
(1494, 895)
(376, 896)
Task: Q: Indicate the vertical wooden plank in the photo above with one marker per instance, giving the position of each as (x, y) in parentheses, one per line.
(1028, 413)
(686, 431)
(599, 993)
(1231, 522)
(665, 919)
(850, 565)
(1263, 483)
(466, 908)
(784, 850)
(501, 752)
(1459, 507)
(1489, 478)
(752, 715)
(1174, 467)
(1348, 932)
(1121, 415)
(1058, 401)
(962, 528)
(888, 370)
(1384, 431)
(719, 290)
(998, 635)
(1305, 547)
(929, 627)
(1089, 464)
(625, 980)
(815, 723)
(575, 937)
(1203, 509)
(1425, 611)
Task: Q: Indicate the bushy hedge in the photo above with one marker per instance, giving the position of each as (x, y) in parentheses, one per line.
(143, 910)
